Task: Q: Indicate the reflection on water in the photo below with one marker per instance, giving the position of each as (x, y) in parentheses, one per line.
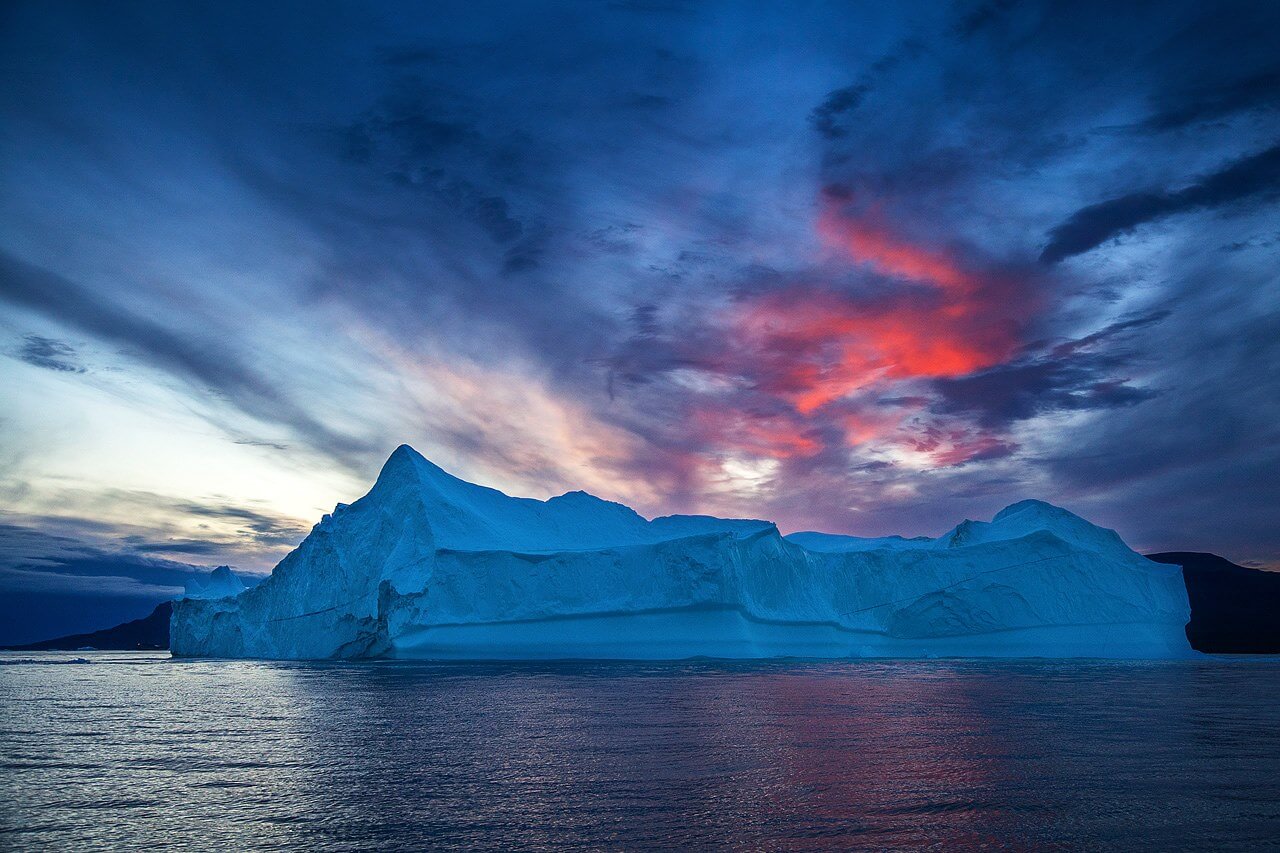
(128, 751)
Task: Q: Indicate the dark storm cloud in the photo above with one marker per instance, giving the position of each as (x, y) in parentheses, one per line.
(1225, 405)
(1079, 375)
(1254, 177)
(443, 169)
(421, 139)
(1023, 390)
(1200, 458)
(658, 345)
(980, 16)
(1118, 330)
(1202, 103)
(828, 117)
(1026, 96)
(198, 361)
(50, 354)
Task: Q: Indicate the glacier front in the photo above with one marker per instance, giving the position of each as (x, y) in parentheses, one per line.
(429, 566)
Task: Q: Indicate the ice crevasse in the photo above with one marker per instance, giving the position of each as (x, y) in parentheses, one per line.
(430, 566)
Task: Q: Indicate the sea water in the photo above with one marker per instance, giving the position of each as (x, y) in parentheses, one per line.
(131, 751)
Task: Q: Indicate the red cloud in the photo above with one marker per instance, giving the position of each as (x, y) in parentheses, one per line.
(866, 242)
(811, 347)
(867, 426)
(817, 347)
(948, 448)
(773, 436)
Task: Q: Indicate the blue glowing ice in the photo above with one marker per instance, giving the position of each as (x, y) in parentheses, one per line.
(429, 566)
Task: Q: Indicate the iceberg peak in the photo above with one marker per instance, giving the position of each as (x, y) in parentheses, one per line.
(408, 465)
(1031, 505)
(222, 582)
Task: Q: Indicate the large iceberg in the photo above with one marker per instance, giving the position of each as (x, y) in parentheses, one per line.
(429, 566)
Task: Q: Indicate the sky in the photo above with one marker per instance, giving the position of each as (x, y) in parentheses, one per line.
(861, 268)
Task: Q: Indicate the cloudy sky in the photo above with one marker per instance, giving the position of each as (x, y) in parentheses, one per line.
(861, 269)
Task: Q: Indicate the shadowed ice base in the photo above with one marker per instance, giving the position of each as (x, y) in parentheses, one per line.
(726, 632)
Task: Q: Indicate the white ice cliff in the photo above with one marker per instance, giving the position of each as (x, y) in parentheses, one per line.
(430, 566)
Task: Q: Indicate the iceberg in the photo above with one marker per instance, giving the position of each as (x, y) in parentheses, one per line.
(429, 566)
(219, 583)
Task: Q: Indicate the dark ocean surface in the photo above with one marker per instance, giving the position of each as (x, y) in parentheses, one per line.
(127, 751)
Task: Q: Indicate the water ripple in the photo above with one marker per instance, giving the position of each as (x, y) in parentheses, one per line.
(133, 751)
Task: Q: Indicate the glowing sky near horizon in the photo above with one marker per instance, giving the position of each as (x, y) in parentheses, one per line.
(866, 269)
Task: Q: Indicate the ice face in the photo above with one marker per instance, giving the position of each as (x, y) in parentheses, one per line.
(429, 566)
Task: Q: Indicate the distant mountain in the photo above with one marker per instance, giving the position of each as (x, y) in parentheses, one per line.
(151, 632)
(146, 634)
(1234, 610)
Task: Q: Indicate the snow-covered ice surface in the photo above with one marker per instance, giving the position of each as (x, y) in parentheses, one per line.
(430, 566)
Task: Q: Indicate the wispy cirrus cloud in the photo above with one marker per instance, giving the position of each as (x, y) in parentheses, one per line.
(205, 363)
(50, 354)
